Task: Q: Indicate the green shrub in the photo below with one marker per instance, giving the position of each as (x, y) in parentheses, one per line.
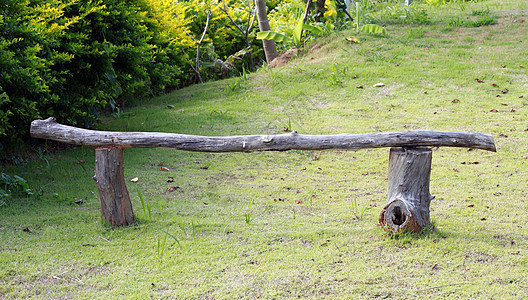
(10, 187)
(68, 59)
(71, 58)
(223, 39)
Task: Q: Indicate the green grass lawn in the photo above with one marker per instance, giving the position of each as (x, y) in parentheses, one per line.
(300, 224)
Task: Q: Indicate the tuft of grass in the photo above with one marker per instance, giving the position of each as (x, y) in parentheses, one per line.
(145, 204)
(484, 18)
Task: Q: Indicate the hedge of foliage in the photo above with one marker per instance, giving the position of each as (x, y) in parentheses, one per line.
(71, 58)
(68, 58)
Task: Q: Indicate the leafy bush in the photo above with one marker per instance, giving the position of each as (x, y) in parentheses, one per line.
(68, 59)
(283, 18)
(223, 40)
(10, 187)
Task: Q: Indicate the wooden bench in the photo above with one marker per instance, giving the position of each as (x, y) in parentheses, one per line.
(408, 196)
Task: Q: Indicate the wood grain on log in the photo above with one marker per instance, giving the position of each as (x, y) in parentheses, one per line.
(50, 129)
(408, 196)
(116, 208)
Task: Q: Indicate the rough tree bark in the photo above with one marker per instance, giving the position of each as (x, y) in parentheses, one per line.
(51, 130)
(270, 50)
(116, 208)
(408, 196)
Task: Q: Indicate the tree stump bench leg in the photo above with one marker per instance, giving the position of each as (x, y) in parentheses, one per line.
(408, 196)
(116, 208)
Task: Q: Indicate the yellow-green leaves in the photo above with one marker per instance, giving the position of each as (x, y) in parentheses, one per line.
(272, 35)
(373, 29)
(352, 39)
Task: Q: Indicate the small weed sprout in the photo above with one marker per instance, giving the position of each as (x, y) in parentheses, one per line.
(245, 74)
(334, 80)
(181, 224)
(161, 246)
(247, 215)
(146, 206)
(248, 218)
(271, 73)
(357, 211)
(194, 229)
(233, 87)
(162, 243)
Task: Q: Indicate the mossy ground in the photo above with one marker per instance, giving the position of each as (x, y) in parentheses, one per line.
(300, 224)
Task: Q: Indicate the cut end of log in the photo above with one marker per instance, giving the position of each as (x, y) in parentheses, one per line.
(396, 217)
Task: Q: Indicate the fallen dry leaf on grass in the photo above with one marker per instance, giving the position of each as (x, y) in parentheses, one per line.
(172, 189)
(352, 39)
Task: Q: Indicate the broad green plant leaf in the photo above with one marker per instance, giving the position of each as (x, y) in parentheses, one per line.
(374, 29)
(297, 31)
(313, 29)
(273, 35)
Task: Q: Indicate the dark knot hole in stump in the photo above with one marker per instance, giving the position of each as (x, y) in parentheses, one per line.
(398, 217)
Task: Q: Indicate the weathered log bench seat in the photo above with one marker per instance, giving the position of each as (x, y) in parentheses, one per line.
(408, 196)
